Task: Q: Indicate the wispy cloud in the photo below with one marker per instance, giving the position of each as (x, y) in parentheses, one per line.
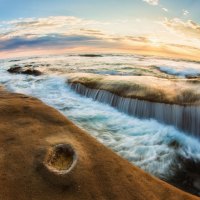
(165, 9)
(43, 26)
(156, 3)
(152, 2)
(185, 12)
(188, 28)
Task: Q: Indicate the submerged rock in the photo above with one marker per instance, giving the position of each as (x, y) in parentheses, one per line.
(193, 76)
(19, 70)
(90, 55)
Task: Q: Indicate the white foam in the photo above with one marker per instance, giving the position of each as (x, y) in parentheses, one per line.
(181, 71)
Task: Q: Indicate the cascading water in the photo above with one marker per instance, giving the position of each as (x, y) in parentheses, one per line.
(185, 118)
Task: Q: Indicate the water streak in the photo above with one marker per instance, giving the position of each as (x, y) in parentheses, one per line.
(185, 118)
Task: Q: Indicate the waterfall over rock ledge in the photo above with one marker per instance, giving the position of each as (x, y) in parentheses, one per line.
(185, 118)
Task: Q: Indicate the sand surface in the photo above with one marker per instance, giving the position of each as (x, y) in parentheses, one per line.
(29, 128)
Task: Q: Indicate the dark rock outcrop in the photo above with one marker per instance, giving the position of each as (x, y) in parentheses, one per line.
(90, 55)
(19, 70)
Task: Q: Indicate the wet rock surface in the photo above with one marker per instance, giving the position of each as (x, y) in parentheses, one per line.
(29, 70)
(186, 175)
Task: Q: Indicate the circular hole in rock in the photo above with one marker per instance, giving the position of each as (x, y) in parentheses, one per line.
(61, 158)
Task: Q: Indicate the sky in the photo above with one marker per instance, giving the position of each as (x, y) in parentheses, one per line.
(149, 27)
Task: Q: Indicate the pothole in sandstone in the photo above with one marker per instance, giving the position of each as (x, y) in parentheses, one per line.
(61, 159)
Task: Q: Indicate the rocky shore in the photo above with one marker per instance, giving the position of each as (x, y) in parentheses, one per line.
(36, 161)
(160, 90)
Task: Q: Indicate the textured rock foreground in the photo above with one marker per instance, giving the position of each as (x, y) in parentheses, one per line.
(28, 131)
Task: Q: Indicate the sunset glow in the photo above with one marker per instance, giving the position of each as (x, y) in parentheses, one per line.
(149, 27)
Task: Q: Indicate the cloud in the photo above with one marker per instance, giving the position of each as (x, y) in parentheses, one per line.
(44, 26)
(165, 9)
(156, 3)
(185, 12)
(61, 33)
(58, 32)
(55, 41)
(152, 2)
(137, 39)
(188, 28)
(50, 21)
(92, 32)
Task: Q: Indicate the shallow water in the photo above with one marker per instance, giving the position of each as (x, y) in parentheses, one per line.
(156, 148)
